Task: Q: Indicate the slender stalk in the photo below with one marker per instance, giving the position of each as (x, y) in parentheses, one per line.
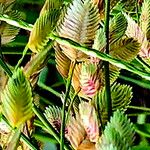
(71, 104)
(50, 129)
(23, 55)
(47, 88)
(9, 52)
(143, 134)
(39, 124)
(2, 62)
(142, 83)
(95, 53)
(5, 67)
(45, 123)
(141, 119)
(16, 22)
(137, 11)
(99, 114)
(139, 108)
(92, 52)
(136, 114)
(142, 62)
(68, 86)
(46, 101)
(44, 138)
(27, 142)
(106, 64)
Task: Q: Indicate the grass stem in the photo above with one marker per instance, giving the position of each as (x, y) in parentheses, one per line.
(106, 64)
(68, 86)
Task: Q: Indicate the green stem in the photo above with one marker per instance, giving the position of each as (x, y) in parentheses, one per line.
(44, 138)
(92, 52)
(39, 124)
(43, 86)
(50, 129)
(71, 104)
(16, 22)
(95, 53)
(145, 65)
(141, 119)
(137, 11)
(142, 83)
(106, 64)
(9, 52)
(5, 67)
(139, 108)
(45, 123)
(99, 115)
(46, 101)
(136, 114)
(27, 142)
(143, 134)
(23, 55)
(2, 62)
(68, 86)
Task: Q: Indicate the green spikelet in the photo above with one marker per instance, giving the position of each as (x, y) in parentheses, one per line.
(44, 25)
(118, 27)
(125, 49)
(17, 99)
(121, 95)
(118, 134)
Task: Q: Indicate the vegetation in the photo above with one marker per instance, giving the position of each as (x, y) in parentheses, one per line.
(71, 72)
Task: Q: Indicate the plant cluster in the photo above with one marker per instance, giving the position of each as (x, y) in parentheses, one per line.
(92, 41)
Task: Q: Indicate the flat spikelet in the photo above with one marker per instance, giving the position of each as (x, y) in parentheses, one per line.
(3, 80)
(100, 40)
(17, 99)
(79, 24)
(44, 25)
(118, 27)
(145, 18)
(8, 32)
(76, 133)
(53, 115)
(134, 31)
(121, 95)
(51, 5)
(90, 120)
(125, 49)
(118, 134)
(90, 79)
(62, 62)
